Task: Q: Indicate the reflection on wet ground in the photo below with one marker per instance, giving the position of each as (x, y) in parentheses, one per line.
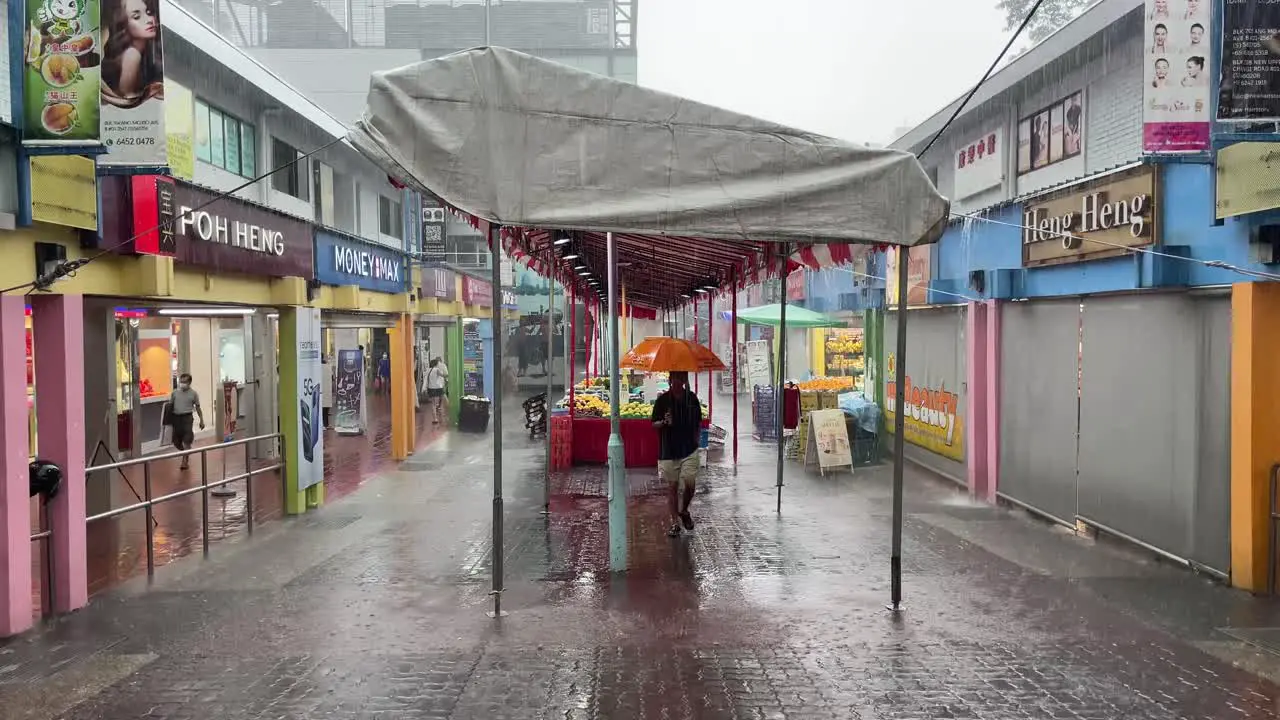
(117, 546)
(375, 607)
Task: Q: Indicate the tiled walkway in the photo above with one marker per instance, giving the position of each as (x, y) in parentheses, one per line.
(117, 547)
(375, 607)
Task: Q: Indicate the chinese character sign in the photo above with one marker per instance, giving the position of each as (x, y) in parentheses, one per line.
(980, 165)
(63, 59)
(1175, 87)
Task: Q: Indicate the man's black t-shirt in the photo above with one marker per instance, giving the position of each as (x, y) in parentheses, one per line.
(680, 439)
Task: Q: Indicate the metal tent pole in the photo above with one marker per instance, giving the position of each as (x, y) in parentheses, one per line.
(499, 337)
(899, 429)
(711, 382)
(549, 365)
(617, 460)
(572, 304)
(697, 376)
(733, 322)
(782, 371)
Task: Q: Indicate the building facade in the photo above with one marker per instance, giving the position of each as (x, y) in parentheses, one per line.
(1082, 341)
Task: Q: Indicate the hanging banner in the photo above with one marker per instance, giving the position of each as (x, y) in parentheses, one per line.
(349, 393)
(434, 251)
(917, 275)
(1249, 84)
(62, 78)
(179, 130)
(310, 422)
(1175, 108)
(132, 84)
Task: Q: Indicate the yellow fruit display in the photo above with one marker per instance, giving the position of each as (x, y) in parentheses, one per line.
(827, 384)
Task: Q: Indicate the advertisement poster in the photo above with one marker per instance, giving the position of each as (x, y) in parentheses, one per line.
(132, 84)
(310, 423)
(1175, 107)
(934, 420)
(63, 65)
(1249, 87)
(433, 244)
(980, 165)
(349, 393)
(1051, 134)
(180, 130)
(472, 362)
(917, 276)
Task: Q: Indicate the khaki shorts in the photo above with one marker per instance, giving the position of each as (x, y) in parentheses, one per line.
(686, 469)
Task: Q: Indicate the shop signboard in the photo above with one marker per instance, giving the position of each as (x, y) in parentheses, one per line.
(509, 299)
(1249, 83)
(979, 164)
(343, 260)
(934, 419)
(918, 275)
(229, 235)
(439, 283)
(476, 292)
(310, 430)
(64, 191)
(132, 84)
(1175, 107)
(1098, 219)
(154, 221)
(349, 393)
(1248, 180)
(433, 238)
(63, 57)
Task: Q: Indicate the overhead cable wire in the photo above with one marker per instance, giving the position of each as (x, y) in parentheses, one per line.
(994, 63)
(69, 268)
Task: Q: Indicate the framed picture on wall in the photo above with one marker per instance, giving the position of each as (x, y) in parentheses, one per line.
(1051, 134)
(1024, 146)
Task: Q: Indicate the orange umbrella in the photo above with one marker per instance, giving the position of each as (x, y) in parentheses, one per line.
(664, 354)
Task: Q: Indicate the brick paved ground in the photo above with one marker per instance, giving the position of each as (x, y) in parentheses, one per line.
(374, 607)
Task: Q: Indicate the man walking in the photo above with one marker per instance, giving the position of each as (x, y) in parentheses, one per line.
(185, 402)
(677, 415)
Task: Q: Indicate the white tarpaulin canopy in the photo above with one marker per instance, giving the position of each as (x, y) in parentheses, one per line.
(524, 142)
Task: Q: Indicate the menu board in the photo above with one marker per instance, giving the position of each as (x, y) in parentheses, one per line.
(828, 440)
(472, 363)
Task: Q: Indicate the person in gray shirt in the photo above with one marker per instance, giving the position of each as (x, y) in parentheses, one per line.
(186, 401)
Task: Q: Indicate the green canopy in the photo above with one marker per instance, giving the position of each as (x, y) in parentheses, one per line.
(797, 317)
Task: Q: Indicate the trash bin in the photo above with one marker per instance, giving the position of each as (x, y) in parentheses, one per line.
(473, 415)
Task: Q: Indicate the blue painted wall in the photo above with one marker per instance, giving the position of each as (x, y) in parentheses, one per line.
(1186, 216)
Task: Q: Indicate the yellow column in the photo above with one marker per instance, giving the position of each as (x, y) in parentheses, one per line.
(1255, 426)
(403, 430)
(818, 351)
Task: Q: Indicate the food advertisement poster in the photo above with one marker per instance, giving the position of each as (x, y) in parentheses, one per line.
(1175, 101)
(63, 64)
(1249, 84)
(132, 84)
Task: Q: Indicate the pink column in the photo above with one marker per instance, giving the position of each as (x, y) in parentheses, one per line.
(976, 380)
(993, 399)
(15, 521)
(57, 323)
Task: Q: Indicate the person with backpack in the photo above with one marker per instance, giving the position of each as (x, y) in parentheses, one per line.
(437, 381)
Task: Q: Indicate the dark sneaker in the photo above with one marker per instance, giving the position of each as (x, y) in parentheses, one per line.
(674, 531)
(687, 519)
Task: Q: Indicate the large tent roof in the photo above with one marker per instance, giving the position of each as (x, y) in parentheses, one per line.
(533, 145)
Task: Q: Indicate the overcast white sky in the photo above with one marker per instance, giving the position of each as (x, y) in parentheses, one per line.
(853, 69)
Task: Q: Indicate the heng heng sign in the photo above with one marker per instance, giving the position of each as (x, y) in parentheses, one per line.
(342, 260)
(1098, 219)
(234, 236)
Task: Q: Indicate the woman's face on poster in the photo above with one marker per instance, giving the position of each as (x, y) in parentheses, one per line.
(142, 23)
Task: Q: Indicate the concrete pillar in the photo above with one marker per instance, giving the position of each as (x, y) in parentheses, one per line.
(261, 395)
(15, 521)
(57, 323)
(101, 409)
(403, 430)
(1255, 427)
(983, 383)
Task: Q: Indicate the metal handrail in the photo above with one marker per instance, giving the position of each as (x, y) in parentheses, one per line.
(148, 503)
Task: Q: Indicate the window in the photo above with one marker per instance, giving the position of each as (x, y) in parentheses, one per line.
(225, 141)
(390, 220)
(290, 177)
(1052, 134)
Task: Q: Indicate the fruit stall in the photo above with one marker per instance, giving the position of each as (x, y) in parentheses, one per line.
(590, 426)
(843, 355)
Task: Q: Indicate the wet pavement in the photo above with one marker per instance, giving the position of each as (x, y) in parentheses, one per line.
(375, 607)
(117, 546)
